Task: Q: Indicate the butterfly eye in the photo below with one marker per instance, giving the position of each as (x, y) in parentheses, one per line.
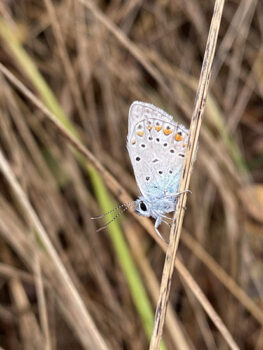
(143, 206)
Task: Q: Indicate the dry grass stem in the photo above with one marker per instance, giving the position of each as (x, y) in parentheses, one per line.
(93, 339)
(124, 197)
(185, 180)
(70, 70)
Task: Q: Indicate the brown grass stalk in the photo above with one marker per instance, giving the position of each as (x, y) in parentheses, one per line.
(87, 61)
(123, 196)
(88, 332)
(185, 179)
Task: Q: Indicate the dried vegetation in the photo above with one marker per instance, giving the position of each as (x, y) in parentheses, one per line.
(64, 286)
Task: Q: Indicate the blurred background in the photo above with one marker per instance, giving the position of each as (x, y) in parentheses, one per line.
(62, 284)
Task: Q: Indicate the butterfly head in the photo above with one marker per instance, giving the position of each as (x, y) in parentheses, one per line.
(143, 207)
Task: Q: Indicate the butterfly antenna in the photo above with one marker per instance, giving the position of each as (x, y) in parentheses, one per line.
(115, 217)
(110, 211)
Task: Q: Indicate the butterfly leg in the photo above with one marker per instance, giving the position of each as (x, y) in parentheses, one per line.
(167, 223)
(186, 191)
(156, 225)
(177, 193)
(166, 217)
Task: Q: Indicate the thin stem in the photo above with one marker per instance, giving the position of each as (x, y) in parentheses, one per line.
(185, 179)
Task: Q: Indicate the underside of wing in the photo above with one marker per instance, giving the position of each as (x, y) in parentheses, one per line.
(156, 146)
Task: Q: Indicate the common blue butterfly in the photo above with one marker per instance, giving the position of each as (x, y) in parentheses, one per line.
(157, 147)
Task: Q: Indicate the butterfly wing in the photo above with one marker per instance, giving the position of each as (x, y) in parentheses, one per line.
(156, 146)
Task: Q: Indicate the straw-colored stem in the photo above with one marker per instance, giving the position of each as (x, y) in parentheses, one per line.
(185, 178)
(94, 338)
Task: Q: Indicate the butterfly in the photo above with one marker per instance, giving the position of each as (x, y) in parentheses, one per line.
(157, 147)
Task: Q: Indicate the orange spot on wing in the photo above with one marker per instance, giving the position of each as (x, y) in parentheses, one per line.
(158, 128)
(140, 133)
(167, 131)
(185, 144)
(133, 142)
(178, 137)
(149, 127)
